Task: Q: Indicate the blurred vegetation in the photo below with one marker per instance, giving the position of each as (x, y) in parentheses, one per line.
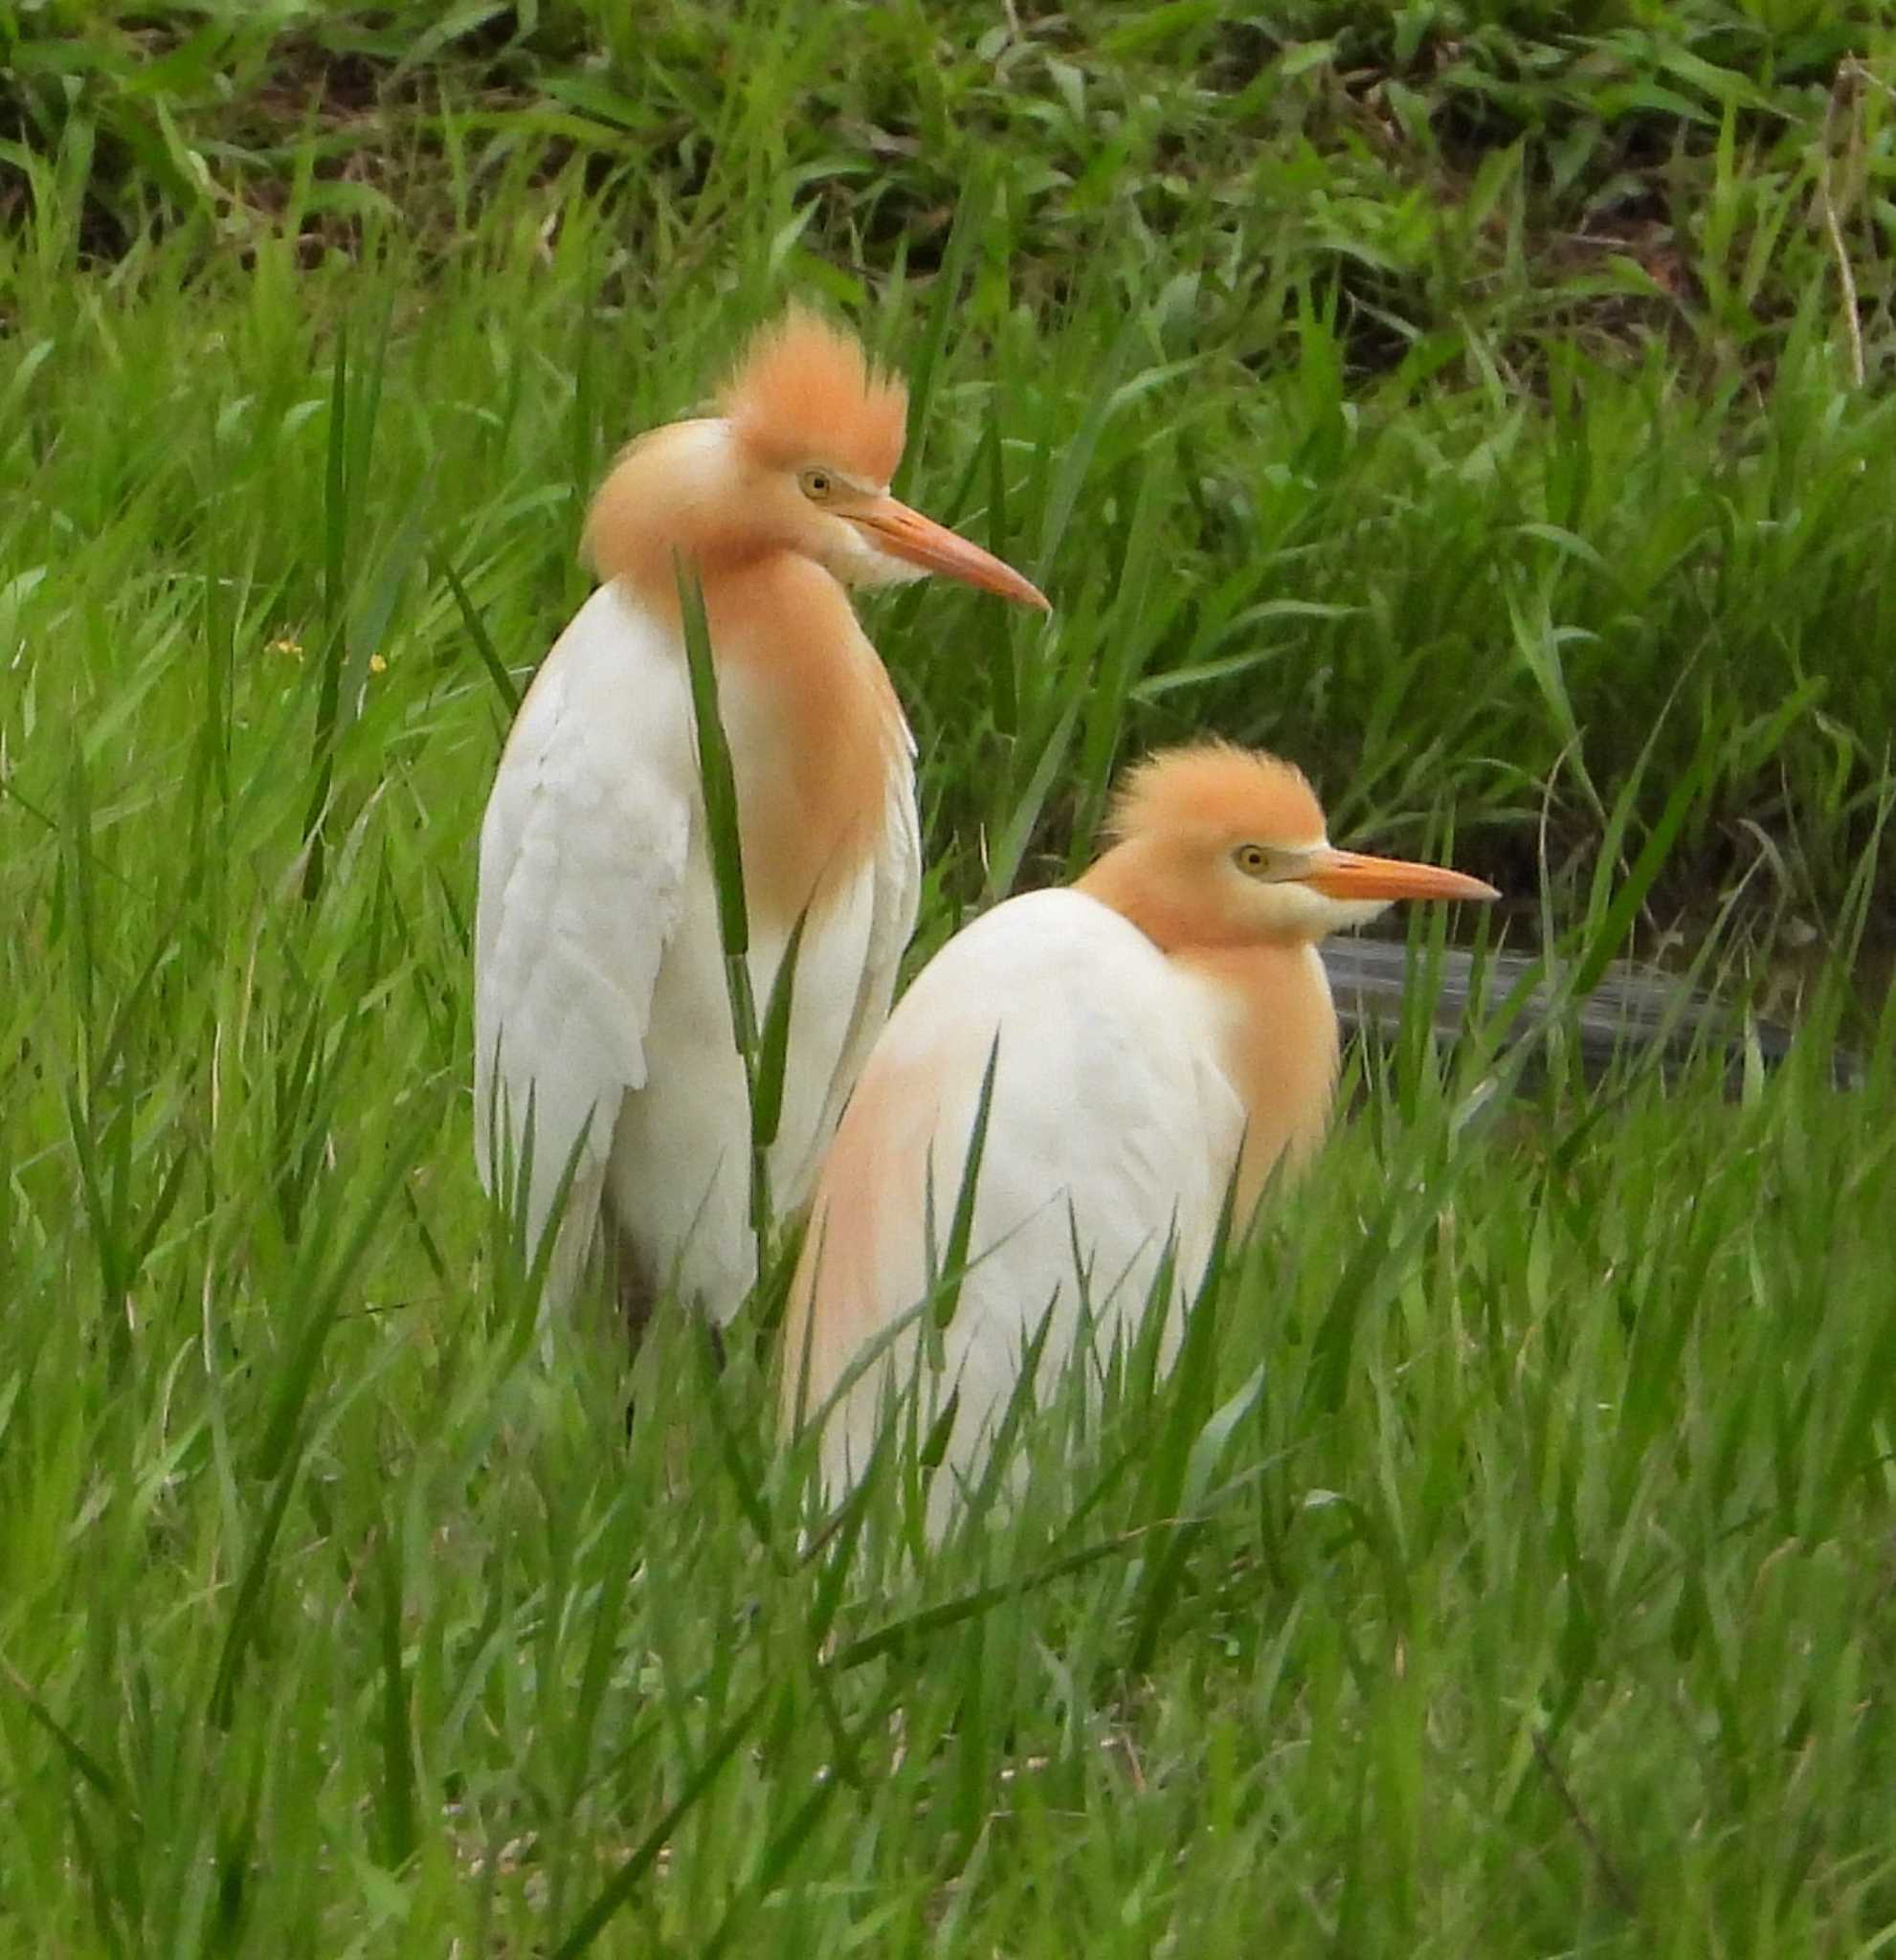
(1485, 170)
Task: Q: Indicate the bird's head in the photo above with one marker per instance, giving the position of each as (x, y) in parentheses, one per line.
(1224, 846)
(798, 458)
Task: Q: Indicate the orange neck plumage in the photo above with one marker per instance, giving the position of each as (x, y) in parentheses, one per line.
(813, 776)
(1279, 1040)
(813, 763)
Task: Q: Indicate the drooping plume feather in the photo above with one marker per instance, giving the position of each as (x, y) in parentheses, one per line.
(805, 393)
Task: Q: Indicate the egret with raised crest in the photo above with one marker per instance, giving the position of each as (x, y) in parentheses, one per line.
(601, 1012)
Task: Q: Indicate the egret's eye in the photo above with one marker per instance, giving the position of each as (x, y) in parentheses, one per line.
(816, 484)
(1253, 859)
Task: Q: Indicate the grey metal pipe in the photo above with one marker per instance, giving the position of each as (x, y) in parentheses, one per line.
(1633, 1009)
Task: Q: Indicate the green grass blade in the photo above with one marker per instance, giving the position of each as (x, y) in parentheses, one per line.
(335, 618)
(397, 1787)
(714, 774)
(970, 220)
(773, 1043)
(626, 1880)
(481, 638)
(947, 1291)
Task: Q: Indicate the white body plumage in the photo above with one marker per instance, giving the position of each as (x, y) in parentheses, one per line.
(600, 997)
(1112, 1132)
(1161, 1033)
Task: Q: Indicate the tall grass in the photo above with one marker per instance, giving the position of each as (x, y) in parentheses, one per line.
(1510, 1574)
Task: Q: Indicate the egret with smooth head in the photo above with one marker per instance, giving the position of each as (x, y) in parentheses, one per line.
(1154, 1030)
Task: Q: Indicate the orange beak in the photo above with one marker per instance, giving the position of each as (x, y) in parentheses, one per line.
(1349, 875)
(906, 534)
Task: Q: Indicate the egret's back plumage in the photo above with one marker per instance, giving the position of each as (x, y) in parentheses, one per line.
(1110, 1128)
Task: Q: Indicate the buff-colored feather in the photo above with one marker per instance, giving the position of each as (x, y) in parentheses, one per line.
(1217, 793)
(805, 393)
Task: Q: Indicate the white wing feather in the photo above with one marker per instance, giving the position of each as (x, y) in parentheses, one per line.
(582, 860)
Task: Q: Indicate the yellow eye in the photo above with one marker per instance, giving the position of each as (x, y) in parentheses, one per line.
(816, 484)
(1252, 859)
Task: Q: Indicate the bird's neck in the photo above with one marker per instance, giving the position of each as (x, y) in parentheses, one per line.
(1158, 888)
(668, 498)
(1278, 1043)
(1275, 1023)
(815, 728)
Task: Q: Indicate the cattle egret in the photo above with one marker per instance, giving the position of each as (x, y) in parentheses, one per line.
(601, 1009)
(1153, 1029)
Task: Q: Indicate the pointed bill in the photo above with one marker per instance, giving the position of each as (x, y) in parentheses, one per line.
(906, 534)
(1350, 875)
